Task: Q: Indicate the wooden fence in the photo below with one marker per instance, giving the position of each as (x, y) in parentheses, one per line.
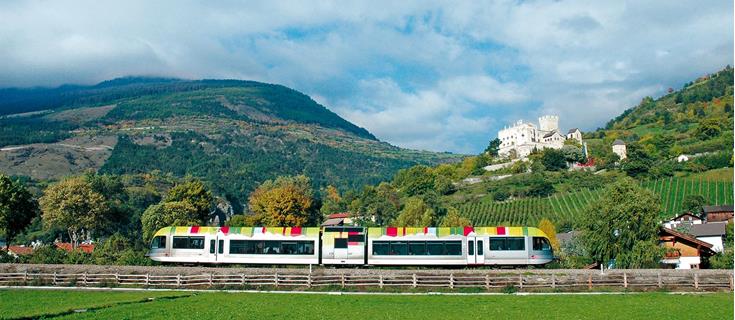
(648, 279)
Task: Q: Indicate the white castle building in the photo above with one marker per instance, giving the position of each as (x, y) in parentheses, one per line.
(523, 137)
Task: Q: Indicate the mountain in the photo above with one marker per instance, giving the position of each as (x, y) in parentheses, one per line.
(233, 134)
(674, 123)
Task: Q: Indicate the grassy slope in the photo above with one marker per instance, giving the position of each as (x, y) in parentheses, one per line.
(320, 306)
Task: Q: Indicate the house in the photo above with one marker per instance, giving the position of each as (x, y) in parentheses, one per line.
(618, 147)
(338, 219)
(718, 213)
(575, 134)
(686, 218)
(682, 158)
(19, 250)
(685, 251)
(712, 233)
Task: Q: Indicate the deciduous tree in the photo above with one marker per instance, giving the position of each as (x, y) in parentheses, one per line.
(17, 207)
(453, 219)
(415, 213)
(194, 192)
(549, 229)
(166, 214)
(286, 201)
(72, 204)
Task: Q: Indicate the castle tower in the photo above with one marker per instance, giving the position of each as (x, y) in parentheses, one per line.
(548, 123)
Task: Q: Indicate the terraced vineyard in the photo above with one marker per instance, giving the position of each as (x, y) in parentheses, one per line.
(564, 209)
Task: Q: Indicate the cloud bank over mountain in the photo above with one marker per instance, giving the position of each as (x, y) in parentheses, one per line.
(442, 76)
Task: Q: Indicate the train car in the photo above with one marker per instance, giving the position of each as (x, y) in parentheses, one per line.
(458, 246)
(471, 246)
(246, 245)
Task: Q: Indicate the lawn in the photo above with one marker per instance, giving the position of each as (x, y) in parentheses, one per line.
(218, 305)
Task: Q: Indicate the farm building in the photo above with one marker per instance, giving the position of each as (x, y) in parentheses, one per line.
(718, 213)
(687, 251)
(712, 233)
(686, 218)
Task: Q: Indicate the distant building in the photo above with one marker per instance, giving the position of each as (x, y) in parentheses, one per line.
(618, 148)
(684, 251)
(523, 137)
(718, 213)
(575, 134)
(712, 233)
(682, 158)
(338, 219)
(686, 219)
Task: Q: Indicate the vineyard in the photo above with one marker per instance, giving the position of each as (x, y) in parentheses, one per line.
(564, 209)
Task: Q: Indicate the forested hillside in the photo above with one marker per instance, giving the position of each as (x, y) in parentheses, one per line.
(232, 134)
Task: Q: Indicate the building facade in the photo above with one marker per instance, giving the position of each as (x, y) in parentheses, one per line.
(520, 139)
(618, 148)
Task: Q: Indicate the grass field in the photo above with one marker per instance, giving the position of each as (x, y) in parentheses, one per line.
(568, 207)
(218, 305)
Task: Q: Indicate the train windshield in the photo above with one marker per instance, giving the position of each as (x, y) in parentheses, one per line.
(541, 244)
(158, 242)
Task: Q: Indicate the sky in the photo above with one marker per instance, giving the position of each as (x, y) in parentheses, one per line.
(430, 75)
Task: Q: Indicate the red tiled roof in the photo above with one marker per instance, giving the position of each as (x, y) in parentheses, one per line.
(20, 250)
(66, 246)
(339, 215)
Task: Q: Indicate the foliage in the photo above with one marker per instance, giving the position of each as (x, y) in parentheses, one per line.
(286, 201)
(573, 153)
(332, 202)
(622, 225)
(165, 214)
(724, 259)
(195, 193)
(708, 128)
(553, 159)
(376, 205)
(493, 147)
(72, 204)
(415, 213)
(17, 207)
(549, 229)
(239, 220)
(638, 162)
(539, 187)
(693, 203)
(453, 219)
(414, 181)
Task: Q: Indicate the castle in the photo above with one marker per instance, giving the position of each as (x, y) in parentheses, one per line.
(523, 137)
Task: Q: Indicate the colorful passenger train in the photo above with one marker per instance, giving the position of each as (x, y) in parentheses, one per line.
(473, 246)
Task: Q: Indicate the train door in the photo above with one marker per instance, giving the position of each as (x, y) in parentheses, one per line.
(216, 247)
(475, 250)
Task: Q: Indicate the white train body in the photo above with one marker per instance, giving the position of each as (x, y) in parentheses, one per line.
(473, 246)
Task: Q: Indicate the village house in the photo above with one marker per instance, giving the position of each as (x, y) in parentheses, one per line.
(712, 233)
(618, 147)
(684, 251)
(718, 213)
(686, 218)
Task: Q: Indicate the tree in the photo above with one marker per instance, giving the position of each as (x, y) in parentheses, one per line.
(376, 205)
(553, 160)
(708, 128)
(73, 205)
(453, 219)
(724, 259)
(284, 202)
(414, 181)
(623, 224)
(693, 203)
(549, 229)
(332, 202)
(539, 186)
(167, 214)
(17, 207)
(638, 162)
(415, 214)
(572, 153)
(493, 147)
(194, 192)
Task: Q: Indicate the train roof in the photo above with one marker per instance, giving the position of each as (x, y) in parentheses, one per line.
(373, 232)
(247, 231)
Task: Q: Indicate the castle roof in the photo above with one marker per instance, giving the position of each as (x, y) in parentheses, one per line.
(572, 130)
(618, 142)
(550, 134)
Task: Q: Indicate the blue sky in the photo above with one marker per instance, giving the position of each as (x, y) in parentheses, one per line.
(441, 76)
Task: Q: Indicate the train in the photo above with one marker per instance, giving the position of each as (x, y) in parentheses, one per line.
(352, 246)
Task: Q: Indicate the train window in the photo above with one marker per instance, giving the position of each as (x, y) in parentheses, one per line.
(471, 248)
(398, 248)
(221, 247)
(158, 242)
(497, 244)
(211, 246)
(516, 243)
(272, 247)
(242, 247)
(541, 243)
(416, 248)
(479, 248)
(356, 238)
(188, 243)
(340, 243)
(453, 248)
(435, 248)
(305, 247)
(381, 248)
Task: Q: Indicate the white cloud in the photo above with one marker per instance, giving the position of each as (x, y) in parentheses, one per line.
(433, 75)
